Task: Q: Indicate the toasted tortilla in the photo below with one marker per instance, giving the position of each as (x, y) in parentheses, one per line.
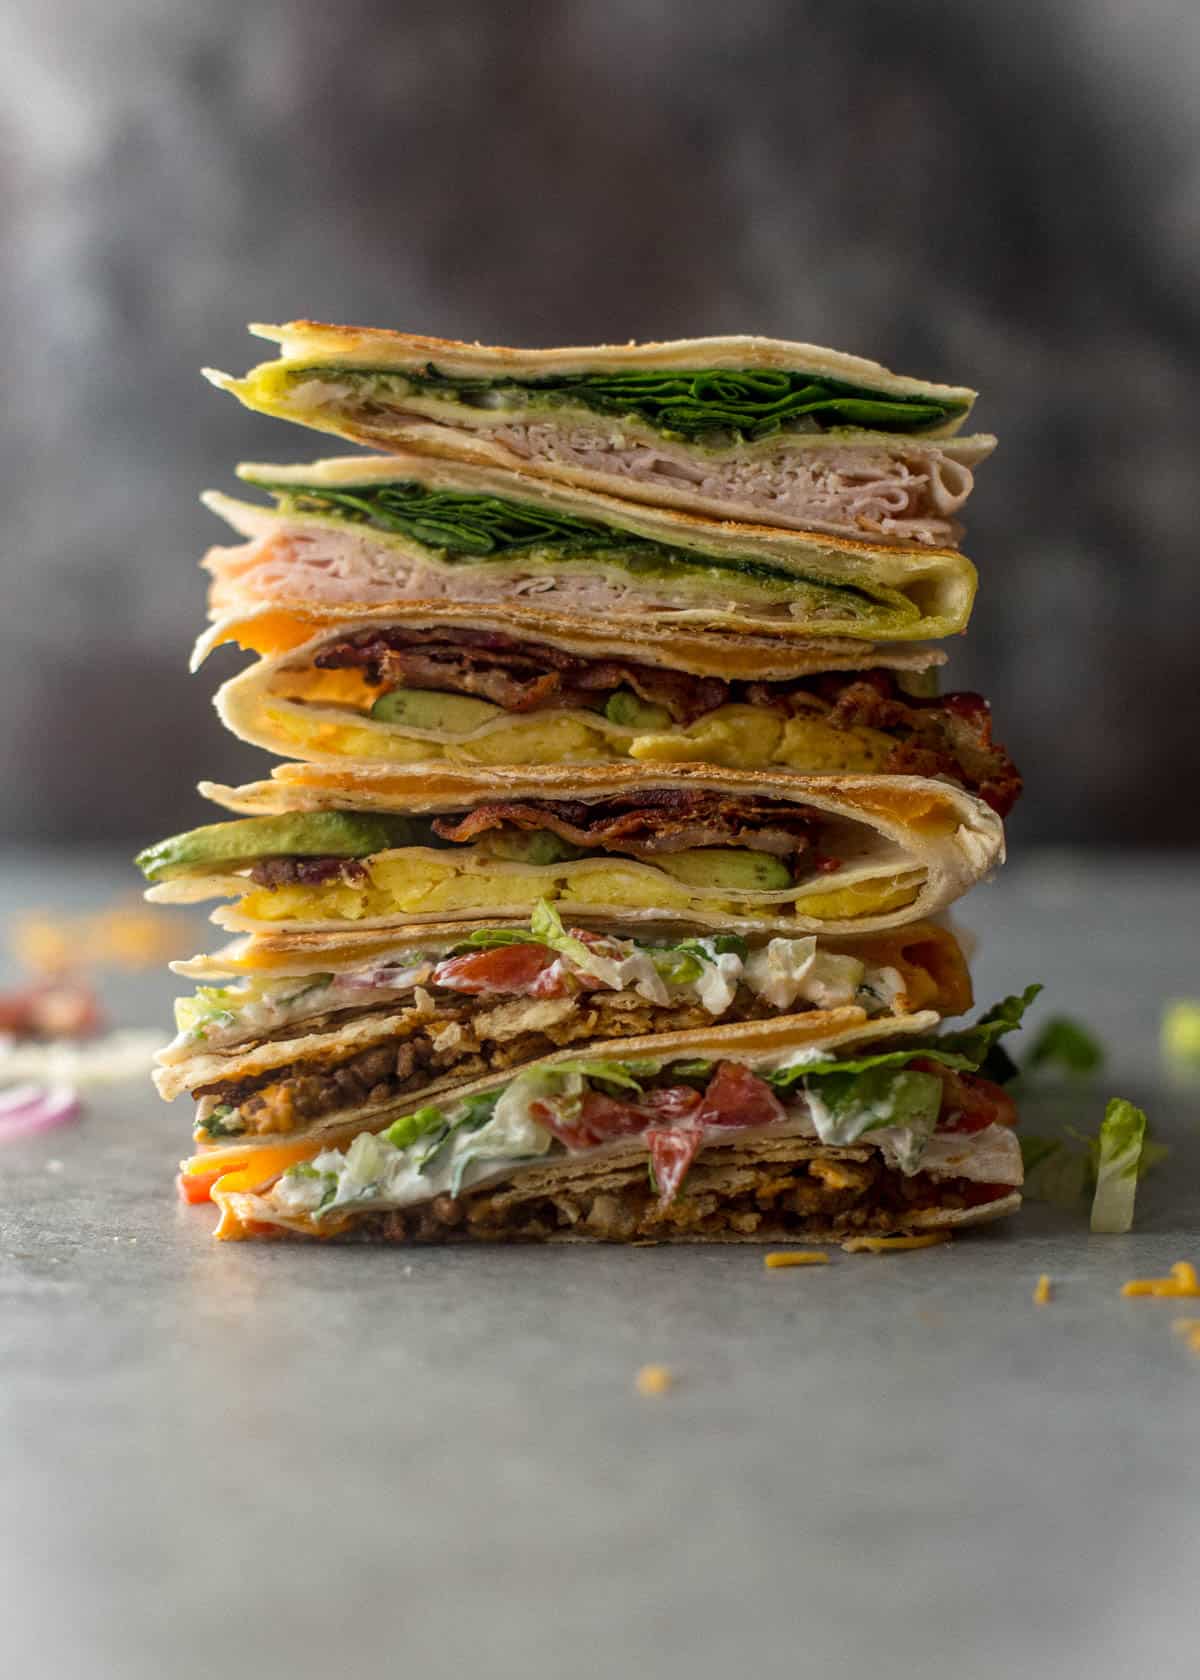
(926, 955)
(903, 841)
(618, 1169)
(291, 556)
(259, 706)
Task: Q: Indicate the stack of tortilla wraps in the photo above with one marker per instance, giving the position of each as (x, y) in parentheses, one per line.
(602, 895)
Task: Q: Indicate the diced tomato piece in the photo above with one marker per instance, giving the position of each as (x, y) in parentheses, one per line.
(554, 981)
(969, 1102)
(598, 1119)
(504, 968)
(672, 1102)
(672, 1151)
(197, 1187)
(977, 1195)
(737, 1097)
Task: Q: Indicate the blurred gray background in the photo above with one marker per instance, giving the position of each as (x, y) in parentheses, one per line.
(1003, 194)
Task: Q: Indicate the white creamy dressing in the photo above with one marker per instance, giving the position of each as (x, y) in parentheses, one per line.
(374, 1173)
(783, 973)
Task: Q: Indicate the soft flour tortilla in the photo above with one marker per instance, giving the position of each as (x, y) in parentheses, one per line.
(620, 1167)
(938, 584)
(924, 841)
(187, 1064)
(256, 707)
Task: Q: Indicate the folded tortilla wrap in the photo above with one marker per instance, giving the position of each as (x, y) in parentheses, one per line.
(868, 852)
(316, 1034)
(817, 1125)
(450, 684)
(741, 428)
(369, 530)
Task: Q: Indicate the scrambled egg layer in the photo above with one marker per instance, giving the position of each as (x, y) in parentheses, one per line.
(737, 736)
(424, 882)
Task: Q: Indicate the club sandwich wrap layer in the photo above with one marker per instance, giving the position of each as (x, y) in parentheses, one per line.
(341, 536)
(764, 1183)
(747, 428)
(904, 848)
(288, 704)
(383, 1007)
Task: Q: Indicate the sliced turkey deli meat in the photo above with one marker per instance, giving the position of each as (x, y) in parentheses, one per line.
(742, 428)
(806, 1126)
(452, 685)
(323, 850)
(364, 531)
(292, 1049)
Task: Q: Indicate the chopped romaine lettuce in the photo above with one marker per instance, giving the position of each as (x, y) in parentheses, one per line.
(845, 1106)
(1067, 1044)
(1118, 1160)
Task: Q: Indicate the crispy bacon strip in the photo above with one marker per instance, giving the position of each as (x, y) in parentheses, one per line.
(654, 821)
(520, 676)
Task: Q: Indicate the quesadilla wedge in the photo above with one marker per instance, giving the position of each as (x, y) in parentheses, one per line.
(739, 428)
(447, 684)
(315, 1036)
(817, 1125)
(325, 850)
(365, 530)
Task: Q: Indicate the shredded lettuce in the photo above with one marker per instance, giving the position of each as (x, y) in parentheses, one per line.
(845, 1106)
(1118, 1159)
(1065, 1171)
(1067, 1044)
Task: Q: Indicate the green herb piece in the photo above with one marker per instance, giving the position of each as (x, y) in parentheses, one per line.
(1067, 1044)
(218, 1123)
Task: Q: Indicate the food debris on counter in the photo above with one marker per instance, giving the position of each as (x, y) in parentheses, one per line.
(1043, 1292)
(653, 1380)
(894, 1245)
(795, 1257)
(1180, 1033)
(1182, 1283)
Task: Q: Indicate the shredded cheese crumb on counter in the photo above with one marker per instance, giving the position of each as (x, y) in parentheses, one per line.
(1043, 1292)
(654, 1379)
(1182, 1283)
(894, 1245)
(795, 1257)
(1189, 1329)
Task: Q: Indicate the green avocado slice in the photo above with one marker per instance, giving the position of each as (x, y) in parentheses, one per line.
(233, 845)
(423, 708)
(735, 868)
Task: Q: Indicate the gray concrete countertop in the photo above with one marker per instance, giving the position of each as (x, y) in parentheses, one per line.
(298, 1461)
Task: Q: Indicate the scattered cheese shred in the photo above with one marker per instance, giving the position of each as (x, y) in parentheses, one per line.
(654, 1379)
(795, 1257)
(1043, 1293)
(897, 1245)
(1182, 1283)
(1189, 1329)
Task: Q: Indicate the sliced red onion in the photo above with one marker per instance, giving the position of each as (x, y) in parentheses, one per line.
(36, 1108)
